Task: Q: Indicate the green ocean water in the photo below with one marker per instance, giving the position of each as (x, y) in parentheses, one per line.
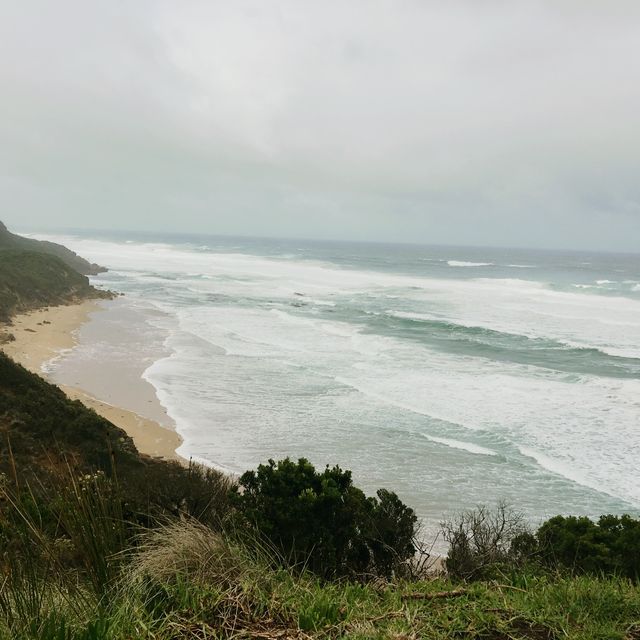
(452, 375)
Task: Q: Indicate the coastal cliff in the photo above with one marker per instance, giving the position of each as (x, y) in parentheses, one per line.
(30, 280)
(37, 274)
(10, 240)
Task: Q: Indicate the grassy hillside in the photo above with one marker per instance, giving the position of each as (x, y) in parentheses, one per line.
(38, 422)
(10, 240)
(29, 280)
(100, 543)
(44, 433)
(184, 582)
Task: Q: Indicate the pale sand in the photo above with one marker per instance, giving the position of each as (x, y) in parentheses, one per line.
(41, 335)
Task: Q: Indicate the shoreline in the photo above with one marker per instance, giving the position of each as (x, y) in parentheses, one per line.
(43, 335)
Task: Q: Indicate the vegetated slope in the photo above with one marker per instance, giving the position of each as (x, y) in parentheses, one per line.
(29, 280)
(73, 563)
(43, 433)
(10, 240)
(37, 420)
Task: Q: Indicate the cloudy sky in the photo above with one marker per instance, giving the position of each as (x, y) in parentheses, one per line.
(487, 122)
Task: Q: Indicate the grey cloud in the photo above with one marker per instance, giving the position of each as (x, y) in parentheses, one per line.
(491, 123)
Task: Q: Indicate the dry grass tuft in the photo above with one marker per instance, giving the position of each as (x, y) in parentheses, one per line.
(191, 551)
(193, 568)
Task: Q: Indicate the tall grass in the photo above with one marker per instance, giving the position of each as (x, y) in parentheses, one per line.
(184, 580)
(35, 584)
(185, 575)
(60, 545)
(89, 508)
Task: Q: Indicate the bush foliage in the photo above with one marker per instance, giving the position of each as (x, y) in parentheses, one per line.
(609, 546)
(46, 438)
(486, 541)
(321, 521)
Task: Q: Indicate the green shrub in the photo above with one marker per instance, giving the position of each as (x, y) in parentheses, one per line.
(322, 522)
(161, 488)
(609, 546)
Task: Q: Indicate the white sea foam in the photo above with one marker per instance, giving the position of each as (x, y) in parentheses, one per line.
(517, 306)
(468, 392)
(562, 467)
(243, 374)
(493, 399)
(49, 365)
(463, 263)
(465, 446)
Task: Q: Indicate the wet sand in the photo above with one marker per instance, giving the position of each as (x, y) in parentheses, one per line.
(42, 335)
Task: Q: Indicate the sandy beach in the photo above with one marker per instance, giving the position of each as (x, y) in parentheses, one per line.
(42, 335)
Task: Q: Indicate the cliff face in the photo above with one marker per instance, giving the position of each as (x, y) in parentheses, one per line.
(37, 274)
(10, 240)
(29, 280)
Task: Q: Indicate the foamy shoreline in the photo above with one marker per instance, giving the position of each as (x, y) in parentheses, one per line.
(40, 336)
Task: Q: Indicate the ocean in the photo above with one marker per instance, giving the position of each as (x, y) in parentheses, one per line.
(453, 376)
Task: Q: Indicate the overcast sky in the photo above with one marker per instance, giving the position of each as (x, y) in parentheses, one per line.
(461, 122)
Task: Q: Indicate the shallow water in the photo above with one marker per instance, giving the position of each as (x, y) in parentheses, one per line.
(452, 375)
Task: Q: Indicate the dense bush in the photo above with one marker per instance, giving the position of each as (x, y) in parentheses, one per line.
(609, 546)
(482, 541)
(162, 488)
(321, 521)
